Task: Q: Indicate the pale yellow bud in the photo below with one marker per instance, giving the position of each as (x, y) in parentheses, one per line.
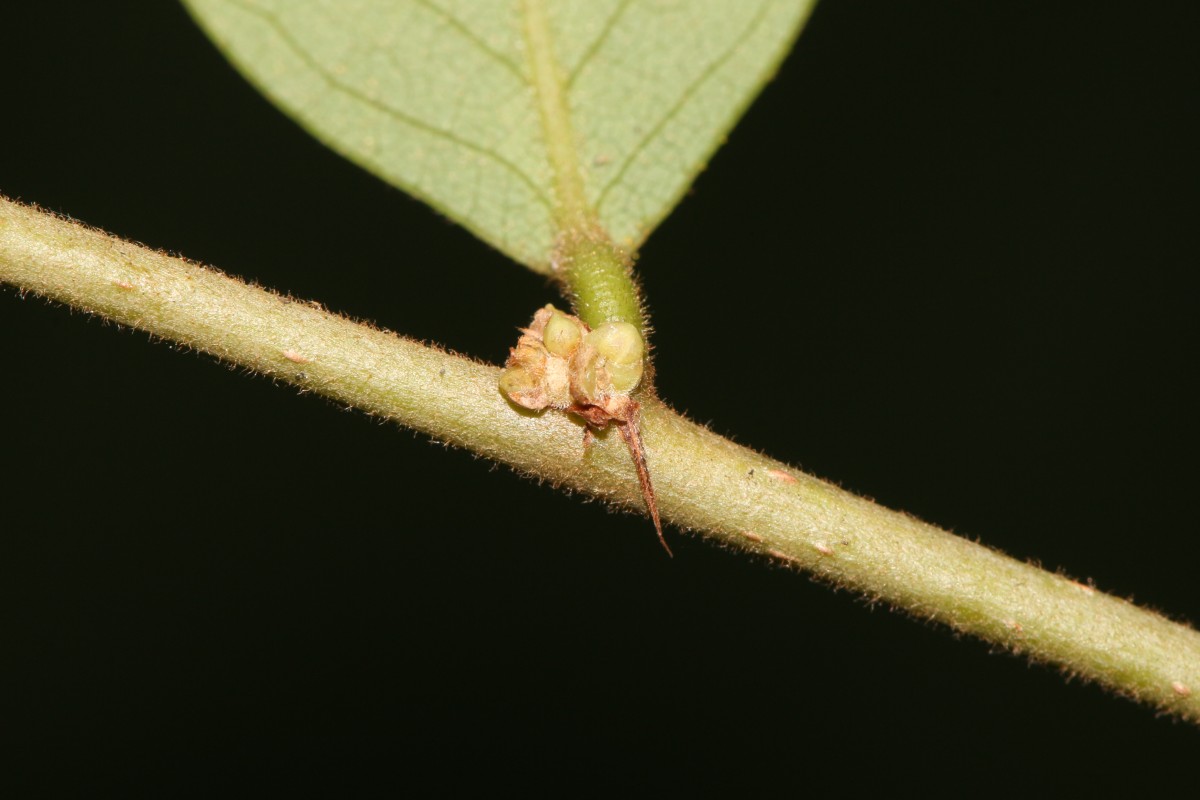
(524, 389)
(562, 334)
(625, 379)
(621, 346)
(619, 342)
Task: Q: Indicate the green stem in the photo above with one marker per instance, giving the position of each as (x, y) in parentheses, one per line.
(703, 482)
(599, 279)
(598, 275)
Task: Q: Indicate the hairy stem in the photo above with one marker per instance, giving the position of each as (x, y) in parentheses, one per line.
(703, 482)
(599, 279)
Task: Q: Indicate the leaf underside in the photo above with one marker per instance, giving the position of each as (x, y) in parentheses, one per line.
(438, 98)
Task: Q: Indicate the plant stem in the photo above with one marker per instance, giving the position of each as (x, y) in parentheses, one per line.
(703, 482)
(599, 280)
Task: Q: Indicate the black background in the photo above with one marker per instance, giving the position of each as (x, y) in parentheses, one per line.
(942, 262)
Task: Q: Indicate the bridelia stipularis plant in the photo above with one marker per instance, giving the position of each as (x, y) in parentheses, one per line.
(523, 122)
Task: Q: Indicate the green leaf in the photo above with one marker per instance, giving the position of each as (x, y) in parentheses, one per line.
(448, 99)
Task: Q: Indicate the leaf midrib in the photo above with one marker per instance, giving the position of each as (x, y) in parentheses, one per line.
(571, 209)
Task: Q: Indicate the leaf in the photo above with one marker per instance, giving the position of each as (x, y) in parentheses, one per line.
(444, 98)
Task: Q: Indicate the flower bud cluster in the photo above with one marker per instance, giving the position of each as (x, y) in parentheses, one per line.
(559, 362)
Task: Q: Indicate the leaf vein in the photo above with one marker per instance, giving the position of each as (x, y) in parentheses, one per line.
(462, 30)
(679, 105)
(598, 43)
(286, 37)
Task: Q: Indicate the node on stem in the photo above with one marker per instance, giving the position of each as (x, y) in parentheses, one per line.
(560, 362)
